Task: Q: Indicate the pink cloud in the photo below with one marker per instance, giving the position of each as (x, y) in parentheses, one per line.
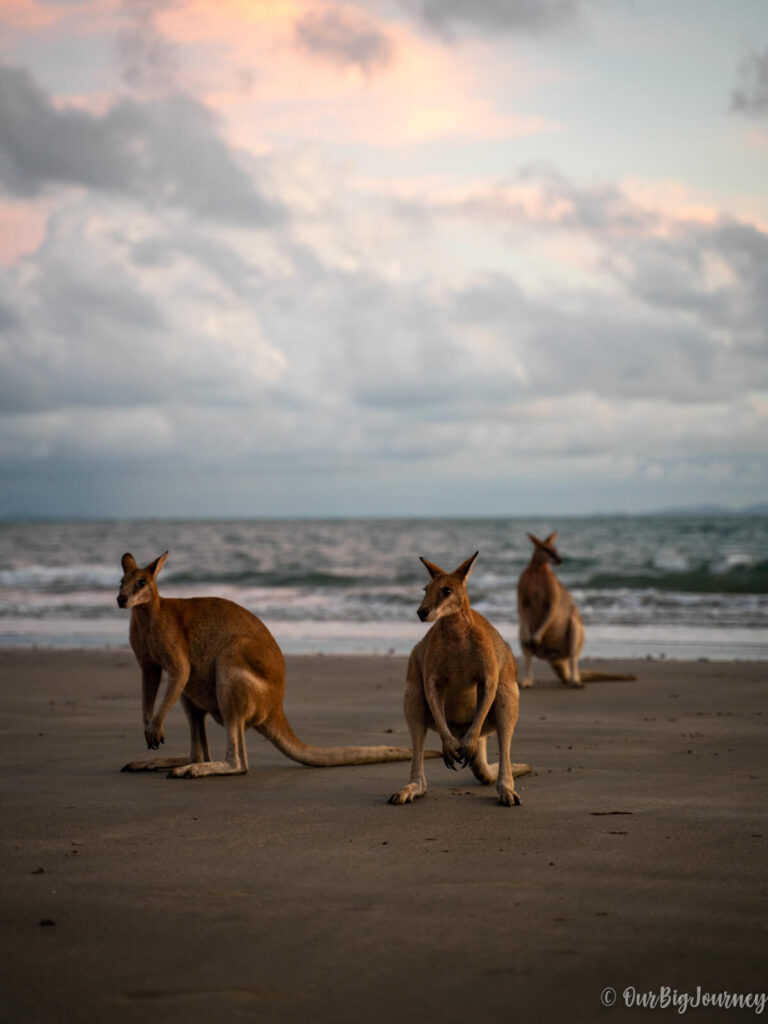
(33, 16)
(29, 15)
(22, 230)
(248, 62)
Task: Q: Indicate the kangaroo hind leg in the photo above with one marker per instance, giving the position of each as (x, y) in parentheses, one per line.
(418, 718)
(575, 644)
(525, 645)
(236, 762)
(486, 774)
(238, 690)
(506, 708)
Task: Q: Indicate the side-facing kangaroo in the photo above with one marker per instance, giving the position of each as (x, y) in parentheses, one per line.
(550, 622)
(461, 682)
(220, 660)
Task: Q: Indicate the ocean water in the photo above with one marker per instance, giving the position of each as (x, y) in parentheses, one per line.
(647, 586)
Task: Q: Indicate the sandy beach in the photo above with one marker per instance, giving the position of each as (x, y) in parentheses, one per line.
(637, 859)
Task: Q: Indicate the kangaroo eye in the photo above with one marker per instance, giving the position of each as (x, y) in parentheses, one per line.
(446, 591)
(141, 583)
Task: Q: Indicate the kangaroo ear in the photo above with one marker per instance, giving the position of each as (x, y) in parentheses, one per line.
(551, 538)
(534, 540)
(432, 569)
(128, 562)
(466, 568)
(157, 565)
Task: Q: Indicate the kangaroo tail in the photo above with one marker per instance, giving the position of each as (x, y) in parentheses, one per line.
(588, 676)
(278, 730)
(562, 671)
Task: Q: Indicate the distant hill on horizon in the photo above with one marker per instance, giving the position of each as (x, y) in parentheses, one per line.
(757, 509)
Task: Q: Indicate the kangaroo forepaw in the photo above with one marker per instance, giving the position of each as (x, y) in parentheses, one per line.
(467, 754)
(452, 754)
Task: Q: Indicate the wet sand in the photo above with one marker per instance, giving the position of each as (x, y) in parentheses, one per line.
(292, 894)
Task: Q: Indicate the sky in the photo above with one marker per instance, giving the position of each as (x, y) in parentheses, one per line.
(382, 257)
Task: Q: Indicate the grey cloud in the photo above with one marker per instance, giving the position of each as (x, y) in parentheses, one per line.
(751, 96)
(685, 318)
(571, 345)
(41, 145)
(196, 346)
(713, 275)
(524, 16)
(8, 318)
(685, 280)
(167, 151)
(82, 337)
(147, 58)
(601, 209)
(342, 39)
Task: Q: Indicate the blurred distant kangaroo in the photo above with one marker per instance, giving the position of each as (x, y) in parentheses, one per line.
(550, 623)
(221, 660)
(461, 682)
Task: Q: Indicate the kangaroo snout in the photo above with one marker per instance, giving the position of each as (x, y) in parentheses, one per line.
(423, 613)
(122, 601)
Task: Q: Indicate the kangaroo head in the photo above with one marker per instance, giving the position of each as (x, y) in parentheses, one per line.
(139, 586)
(446, 592)
(544, 551)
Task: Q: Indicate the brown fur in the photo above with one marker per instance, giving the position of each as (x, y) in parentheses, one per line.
(220, 660)
(550, 622)
(461, 682)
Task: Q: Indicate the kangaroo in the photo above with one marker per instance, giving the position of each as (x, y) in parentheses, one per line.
(461, 682)
(220, 660)
(550, 622)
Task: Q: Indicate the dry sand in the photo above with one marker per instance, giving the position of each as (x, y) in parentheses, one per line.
(292, 894)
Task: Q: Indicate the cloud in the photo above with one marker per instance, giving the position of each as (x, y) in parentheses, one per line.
(168, 150)
(335, 73)
(344, 39)
(137, 319)
(30, 15)
(197, 292)
(543, 196)
(362, 338)
(289, 345)
(715, 275)
(751, 96)
(664, 306)
(514, 16)
(148, 59)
